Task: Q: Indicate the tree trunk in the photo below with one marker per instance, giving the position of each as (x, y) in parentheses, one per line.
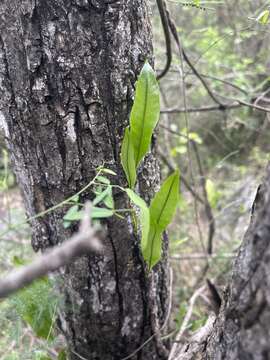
(241, 331)
(67, 73)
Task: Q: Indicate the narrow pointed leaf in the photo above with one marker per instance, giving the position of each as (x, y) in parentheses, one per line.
(144, 216)
(162, 210)
(152, 252)
(144, 113)
(127, 159)
(164, 204)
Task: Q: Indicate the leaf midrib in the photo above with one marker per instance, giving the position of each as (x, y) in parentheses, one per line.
(152, 247)
(128, 169)
(165, 203)
(144, 114)
(152, 241)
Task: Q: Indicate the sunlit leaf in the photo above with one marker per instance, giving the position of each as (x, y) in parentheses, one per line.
(144, 113)
(263, 17)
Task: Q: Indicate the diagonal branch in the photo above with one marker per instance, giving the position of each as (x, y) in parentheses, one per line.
(200, 109)
(85, 241)
(236, 104)
(176, 345)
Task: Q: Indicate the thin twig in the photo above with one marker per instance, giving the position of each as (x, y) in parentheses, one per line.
(79, 356)
(207, 206)
(201, 256)
(222, 80)
(51, 209)
(236, 104)
(188, 61)
(262, 97)
(185, 322)
(84, 241)
(225, 81)
(164, 20)
(201, 109)
(252, 106)
(182, 58)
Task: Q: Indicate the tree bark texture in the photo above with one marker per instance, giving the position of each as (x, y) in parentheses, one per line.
(67, 74)
(242, 331)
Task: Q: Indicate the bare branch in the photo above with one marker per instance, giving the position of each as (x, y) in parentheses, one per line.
(253, 106)
(201, 109)
(236, 104)
(227, 82)
(164, 20)
(86, 240)
(207, 206)
(201, 256)
(222, 80)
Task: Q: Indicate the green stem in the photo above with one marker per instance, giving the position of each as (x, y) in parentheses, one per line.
(47, 211)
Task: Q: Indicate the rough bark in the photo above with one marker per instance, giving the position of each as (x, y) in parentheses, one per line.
(242, 331)
(67, 73)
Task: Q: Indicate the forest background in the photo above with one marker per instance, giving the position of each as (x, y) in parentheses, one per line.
(221, 166)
